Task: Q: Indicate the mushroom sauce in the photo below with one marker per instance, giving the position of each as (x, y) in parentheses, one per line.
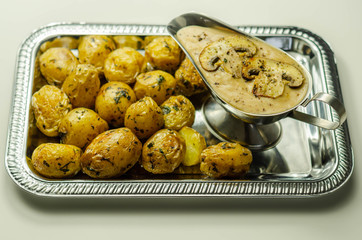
(238, 92)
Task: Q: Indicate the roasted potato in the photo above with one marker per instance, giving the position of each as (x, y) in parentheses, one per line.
(149, 39)
(225, 159)
(50, 105)
(82, 86)
(144, 117)
(156, 84)
(111, 154)
(66, 42)
(163, 53)
(163, 152)
(54, 160)
(195, 144)
(134, 42)
(56, 64)
(113, 101)
(80, 126)
(95, 49)
(188, 80)
(123, 64)
(178, 112)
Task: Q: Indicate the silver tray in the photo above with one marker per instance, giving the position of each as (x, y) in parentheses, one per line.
(308, 161)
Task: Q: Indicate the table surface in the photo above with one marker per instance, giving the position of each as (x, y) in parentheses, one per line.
(336, 215)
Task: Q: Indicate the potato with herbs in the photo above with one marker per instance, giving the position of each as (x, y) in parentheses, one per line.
(95, 49)
(66, 42)
(80, 126)
(50, 105)
(158, 85)
(163, 53)
(134, 42)
(111, 154)
(149, 39)
(123, 64)
(225, 160)
(54, 160)
(82, 86)
(178, 112)
(112, 102)
(163, 152)
(144, 117)
(195, 144)
(188, 80)
(56, 64)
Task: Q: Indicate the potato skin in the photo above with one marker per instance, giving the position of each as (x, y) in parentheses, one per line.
(80, 126)
(66, 42)
(54, 160)
(111, 154)
(225, 159)
(178, 112)
(163, 152)
(50, 105)
(134, 42)
(56, 64)
(195, 144)
(157, 84)
(95, 49)
(82, 86)
(188, 80)
(123, 65)
(112, 102)
(144, 117)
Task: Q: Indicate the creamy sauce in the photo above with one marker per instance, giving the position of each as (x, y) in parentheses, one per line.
(237, 91)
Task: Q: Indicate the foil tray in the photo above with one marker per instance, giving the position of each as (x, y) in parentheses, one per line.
(308, 161)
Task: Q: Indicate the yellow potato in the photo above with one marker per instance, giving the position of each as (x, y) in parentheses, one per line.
(112, 102)
(178, 112)
(80, 126)
(128, 41)
(149, 39)
(111, 154)
(195, 144)
(66, 42)
(55, 160)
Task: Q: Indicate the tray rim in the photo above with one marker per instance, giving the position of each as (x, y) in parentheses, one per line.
(16, 138)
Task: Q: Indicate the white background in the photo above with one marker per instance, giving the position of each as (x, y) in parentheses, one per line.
(335, 216)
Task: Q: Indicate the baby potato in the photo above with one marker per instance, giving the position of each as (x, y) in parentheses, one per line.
(149, 39)
(144, 117)
(95, 49)
(82, 86)
(80, 126)
(188, 80)
(50, 105)
(163, 53)
(195, 144)
(178, 112)
(56, 64)
(225, 159)
(112, 102)
(66, 42)
(163, 152)
(156, 84)
(123, 65)
(111, 154)
(54, 160)
(134, 42)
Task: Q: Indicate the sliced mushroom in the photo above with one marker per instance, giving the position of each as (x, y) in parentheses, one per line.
(268, 85)
(227, 52)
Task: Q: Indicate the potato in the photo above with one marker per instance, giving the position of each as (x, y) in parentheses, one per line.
(54, 160)
(123, 65)
(149, 39)
(163, 53)
(56, 64)
(80, 126)
(178, 112)
(163, 152)
(144, 117)
(195, 144)
(111, 154)
(95, 49)
(134, 42)
(157, 84)
(50, 105)
(113, 101)
(225, 159)
(82, 86)
(188, 80)
(66, 42)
